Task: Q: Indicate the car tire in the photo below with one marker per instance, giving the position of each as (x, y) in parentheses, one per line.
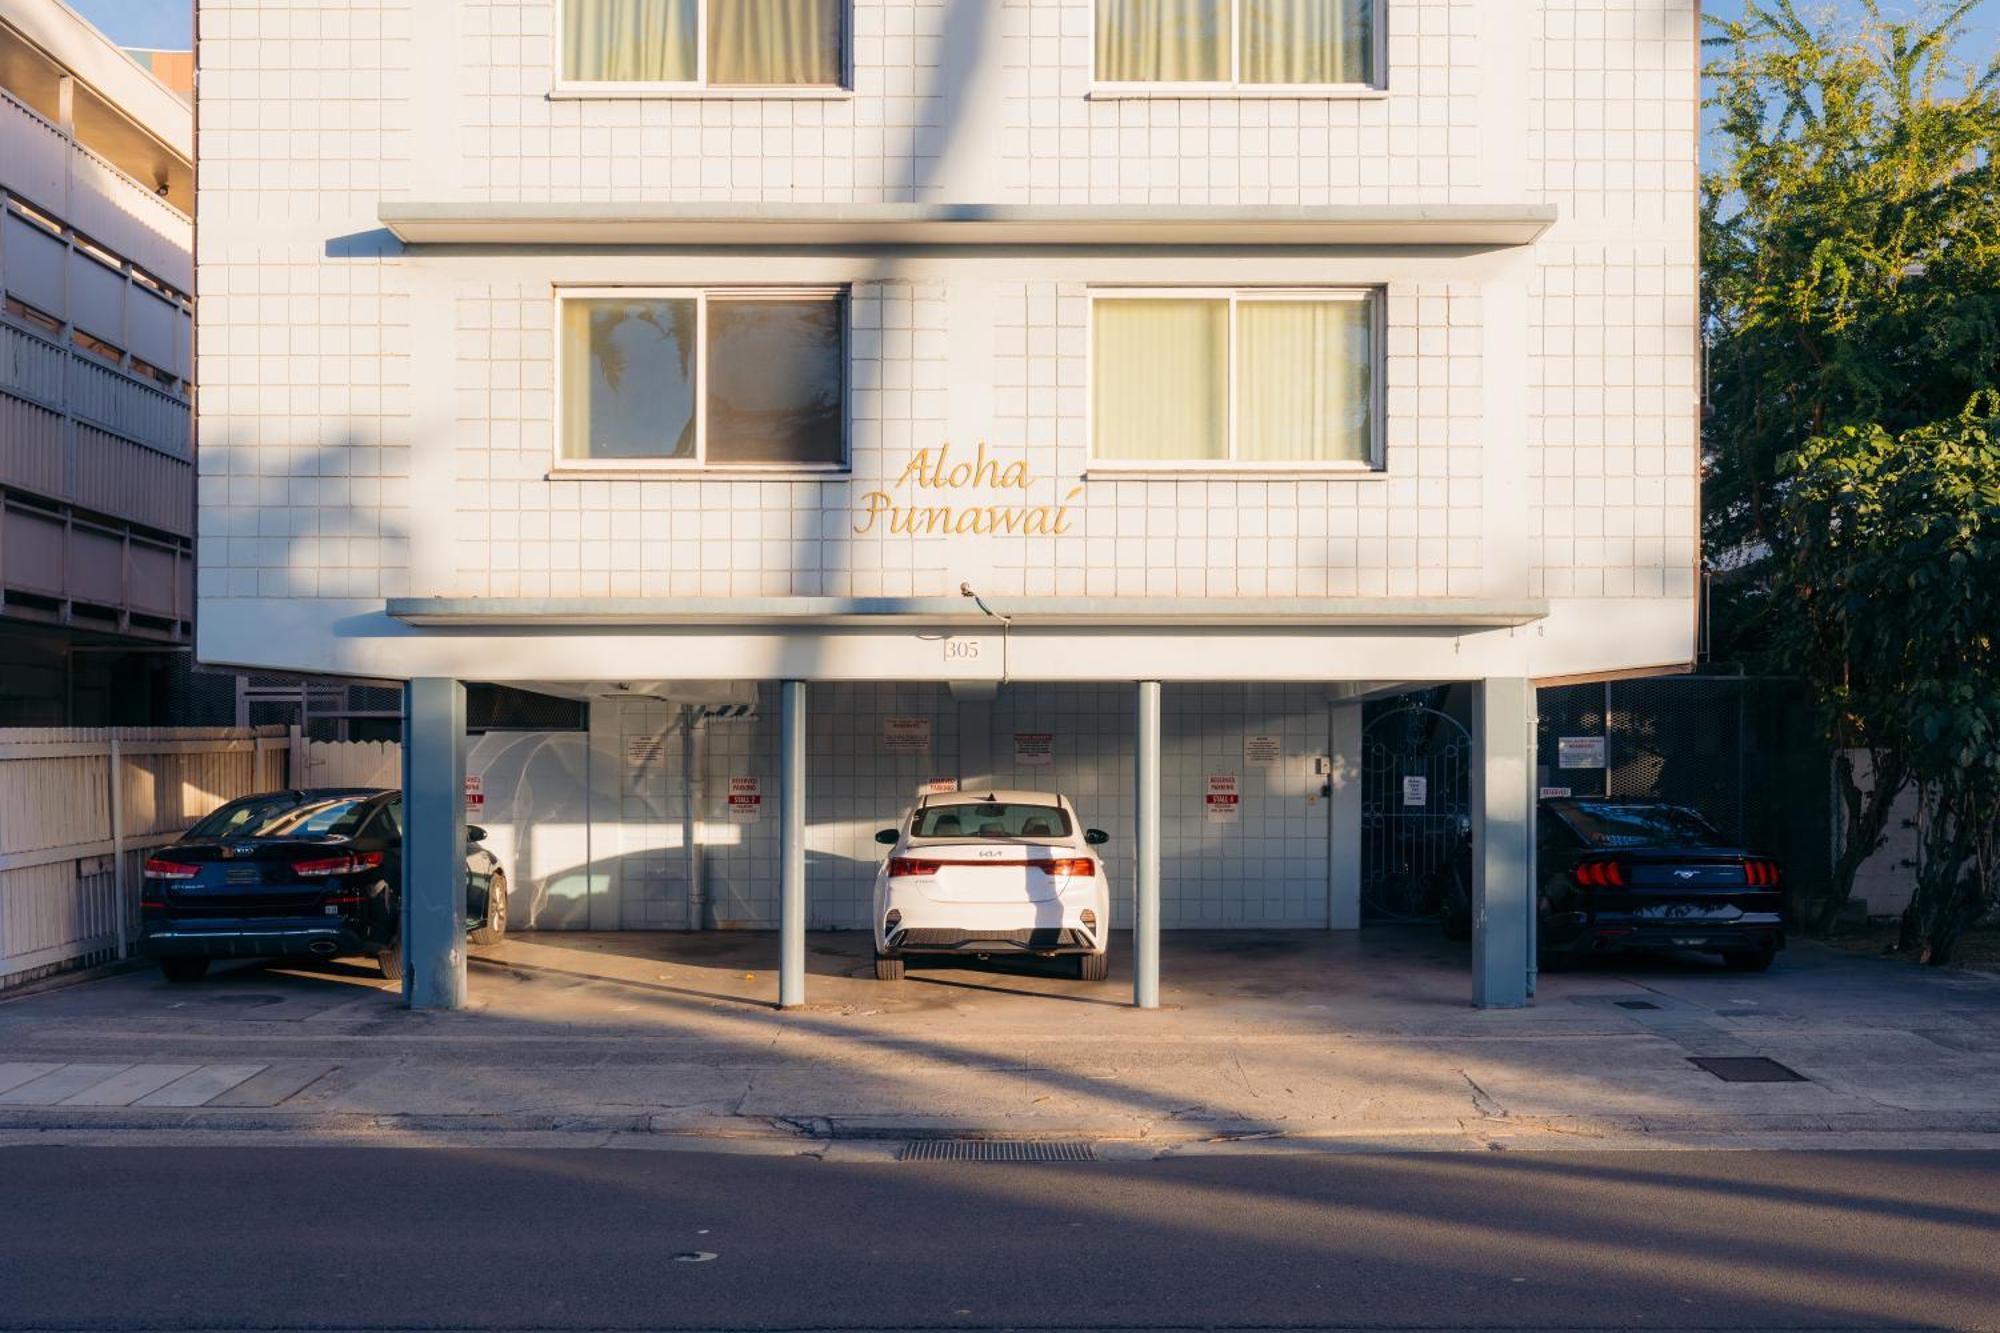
(1749, 960)
(181, 971)
(888, 967)
(1093, 966)
(390, 960)
(495, 929)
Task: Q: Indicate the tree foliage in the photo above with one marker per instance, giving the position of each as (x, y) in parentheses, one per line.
(1851, 302)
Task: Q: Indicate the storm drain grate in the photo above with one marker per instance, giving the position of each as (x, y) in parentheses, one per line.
(1747, 1069)
(995, 1150)
(1635, 1004)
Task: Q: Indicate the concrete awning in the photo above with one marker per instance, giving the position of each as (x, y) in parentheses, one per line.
(775, 224)
(1444, 613)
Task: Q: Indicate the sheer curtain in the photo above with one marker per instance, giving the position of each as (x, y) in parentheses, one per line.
(629, 41)
(1303, 382)
(783, 42)
(1161, 377)
(1306, 41)
(628, 378)
(1163, 41)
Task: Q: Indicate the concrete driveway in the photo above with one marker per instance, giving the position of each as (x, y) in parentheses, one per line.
(1266, 1040)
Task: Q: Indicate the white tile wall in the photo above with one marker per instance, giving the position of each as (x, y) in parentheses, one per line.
(1268, 869)
(313, 112)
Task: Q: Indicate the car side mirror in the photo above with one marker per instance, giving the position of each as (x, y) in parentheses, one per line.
(474, 833)
(1096, 837)
(888, 837)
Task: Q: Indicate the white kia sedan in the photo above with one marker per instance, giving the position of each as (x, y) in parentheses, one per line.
(999, 872)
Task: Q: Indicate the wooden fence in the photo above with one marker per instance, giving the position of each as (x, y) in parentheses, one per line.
(80, 808)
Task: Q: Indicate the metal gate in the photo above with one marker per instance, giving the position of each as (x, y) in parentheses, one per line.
(1416, 805)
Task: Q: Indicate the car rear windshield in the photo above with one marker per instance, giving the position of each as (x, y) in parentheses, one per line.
(286, 817)
(991, 819)
(1603, 825)
(243, 818)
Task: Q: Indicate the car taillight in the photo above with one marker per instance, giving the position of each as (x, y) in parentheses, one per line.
(158, 868)
(903, 866)
(1759, 872)
(1601, 874)
(337, 865)
(1078, 865)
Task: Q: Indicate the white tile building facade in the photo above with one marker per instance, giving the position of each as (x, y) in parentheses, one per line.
(395, 194)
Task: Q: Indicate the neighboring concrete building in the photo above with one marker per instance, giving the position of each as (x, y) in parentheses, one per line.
(96, 451)
(1246, 359)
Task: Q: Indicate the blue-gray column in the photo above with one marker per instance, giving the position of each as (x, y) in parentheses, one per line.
(1503, 842)
(1146, 852)
(434, 844)
(792, 845)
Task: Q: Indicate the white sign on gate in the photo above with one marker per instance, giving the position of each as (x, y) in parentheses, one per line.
(1416, 791)
(1580, 752)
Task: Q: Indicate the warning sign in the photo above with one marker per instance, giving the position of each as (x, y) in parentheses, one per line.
(1260, 751)
(746, 800)
(1580, 752)
(643, 750)
(1034, 749)
(475, 794)
(1416, 791)
(906, 735)
(1225, 799)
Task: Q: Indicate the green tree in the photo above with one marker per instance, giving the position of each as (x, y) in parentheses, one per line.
(1896, 575)
(1851, 282)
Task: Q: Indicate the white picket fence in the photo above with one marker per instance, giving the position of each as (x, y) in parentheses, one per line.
(80, 807)
(350, 764)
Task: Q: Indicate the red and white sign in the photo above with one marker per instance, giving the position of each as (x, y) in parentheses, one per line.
(746, 800)
(475, 794)
(1225, 799)
(939, 786)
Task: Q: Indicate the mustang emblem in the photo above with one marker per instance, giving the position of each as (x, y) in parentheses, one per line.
(1684, 874)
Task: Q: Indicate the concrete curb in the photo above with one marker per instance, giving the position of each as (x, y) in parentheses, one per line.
(809, 1133)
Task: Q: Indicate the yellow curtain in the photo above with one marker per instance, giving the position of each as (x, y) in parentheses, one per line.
(1161, 380)
(1163, 41)
(774, 42)
(1306, 41)
(629, 41)
(1303, 382)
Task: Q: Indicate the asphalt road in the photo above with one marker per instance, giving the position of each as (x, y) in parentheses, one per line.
(354, 1238)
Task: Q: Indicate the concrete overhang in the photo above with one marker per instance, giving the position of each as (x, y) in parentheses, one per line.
(1432, 613)
(777, 224)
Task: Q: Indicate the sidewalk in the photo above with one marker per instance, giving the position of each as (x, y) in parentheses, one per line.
(1268, 1042)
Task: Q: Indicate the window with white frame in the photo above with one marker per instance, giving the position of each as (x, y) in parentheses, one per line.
(703, 378)
(1238, 43)
(703, 43)
(1247, 378)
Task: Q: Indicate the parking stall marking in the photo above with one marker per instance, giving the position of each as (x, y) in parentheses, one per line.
(195, 1089)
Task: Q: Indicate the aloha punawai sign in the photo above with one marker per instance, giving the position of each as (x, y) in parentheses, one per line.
(929, 499)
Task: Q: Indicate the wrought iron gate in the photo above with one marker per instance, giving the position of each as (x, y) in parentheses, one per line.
(1416, 804)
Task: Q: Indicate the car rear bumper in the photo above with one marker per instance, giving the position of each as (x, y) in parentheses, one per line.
(263, 938)
(1606, 936)
(1034, 940)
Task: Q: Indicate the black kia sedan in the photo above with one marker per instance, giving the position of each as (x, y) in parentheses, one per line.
(314, 873)
(1631, 874)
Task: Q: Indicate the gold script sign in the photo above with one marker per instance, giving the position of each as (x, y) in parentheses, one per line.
(932, 471)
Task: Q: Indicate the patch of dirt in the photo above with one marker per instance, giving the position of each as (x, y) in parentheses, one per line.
(1978, 949)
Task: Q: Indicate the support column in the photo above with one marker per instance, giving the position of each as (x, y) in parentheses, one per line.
(1503, 842)
(792, 845)
(1146, 852)
(434, 844)
(1343, 817)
